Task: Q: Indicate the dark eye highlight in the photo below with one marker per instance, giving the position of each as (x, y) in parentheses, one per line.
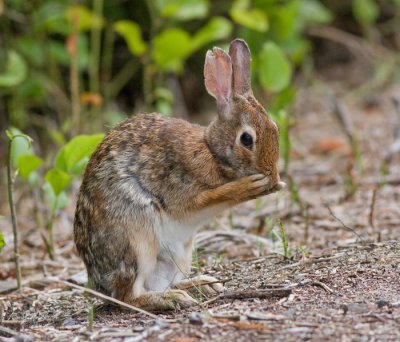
(246, 140)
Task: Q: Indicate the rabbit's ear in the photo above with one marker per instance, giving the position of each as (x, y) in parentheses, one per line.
(241, 61)
(218, 78)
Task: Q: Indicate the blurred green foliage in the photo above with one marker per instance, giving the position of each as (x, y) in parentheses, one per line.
(2, 242)
(68, 67)
(45, 39)
(77, 65)
(69, 162)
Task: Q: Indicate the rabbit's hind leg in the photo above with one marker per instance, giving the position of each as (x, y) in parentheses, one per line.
(155, 301)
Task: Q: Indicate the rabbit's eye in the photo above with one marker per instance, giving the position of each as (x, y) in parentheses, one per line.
(247, 140)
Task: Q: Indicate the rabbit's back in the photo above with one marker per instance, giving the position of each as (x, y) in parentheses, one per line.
(146, 160)
(139, 178)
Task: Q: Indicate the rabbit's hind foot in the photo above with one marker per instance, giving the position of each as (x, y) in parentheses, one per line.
(155, 301)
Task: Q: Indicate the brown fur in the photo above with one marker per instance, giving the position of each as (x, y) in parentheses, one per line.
(149, 166)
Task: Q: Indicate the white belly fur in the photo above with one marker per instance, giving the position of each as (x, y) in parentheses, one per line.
(173, 235)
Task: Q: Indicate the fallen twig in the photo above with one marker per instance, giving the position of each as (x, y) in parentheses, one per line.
(246, 294)
(130, 335)
(310, 282)
(13, 323)
(190, 285)
(342, 223)
(389, 180)
(228, 317)
(324, 286)
(8, 331)
(103, 296)
(311, 261)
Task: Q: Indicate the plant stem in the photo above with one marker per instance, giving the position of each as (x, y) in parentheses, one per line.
(148, 67)
(107, 60)
(95, 42)
(50, 241)
(122, 78)
(90, 317)
(74, 76)
(147, 84)
(13, 216)
(284, 240)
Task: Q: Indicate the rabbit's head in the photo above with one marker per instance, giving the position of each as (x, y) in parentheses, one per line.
(243, 137)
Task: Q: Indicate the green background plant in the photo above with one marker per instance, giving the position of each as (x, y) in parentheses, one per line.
(72, 67)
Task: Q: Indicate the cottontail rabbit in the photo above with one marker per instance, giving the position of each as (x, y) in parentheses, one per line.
(154, 181)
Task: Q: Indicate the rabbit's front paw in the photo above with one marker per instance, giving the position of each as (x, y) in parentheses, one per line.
(278, 187)
(253, 186)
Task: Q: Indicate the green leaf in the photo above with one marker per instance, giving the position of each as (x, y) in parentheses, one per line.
(163, 107)
(28, 163)
(164, 100)
(33, 179)
(254, 19)
(59, 180)
(79, 148)
(33, 91)
(132, 34)
(84, 18)
(80, 166)
(164, 93)
(283, 99)
(275, 70)
(32, 49)
(217, 28)
(171, 48)
(55, 202)
(183, 9)
(2, 242)
(314, 12)
(58, 52)
(83, 48)
(296, 49)
(21, 145)
(15, 71)
(50, 16)
(285, 22)
(365, 11)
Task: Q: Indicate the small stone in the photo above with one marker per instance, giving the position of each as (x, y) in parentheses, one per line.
(23, 338)
(381, 303)
(69, 321)
(196, 318)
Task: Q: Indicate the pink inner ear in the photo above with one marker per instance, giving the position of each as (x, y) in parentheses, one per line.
(218, 75)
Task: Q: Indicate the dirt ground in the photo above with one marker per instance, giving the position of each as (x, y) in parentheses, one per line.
(339, 282)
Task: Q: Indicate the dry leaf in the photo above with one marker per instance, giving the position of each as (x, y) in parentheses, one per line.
(244, 325)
